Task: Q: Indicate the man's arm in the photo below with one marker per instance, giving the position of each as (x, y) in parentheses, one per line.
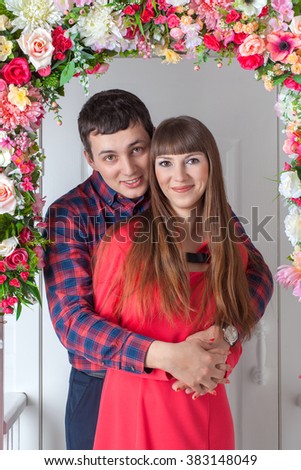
(259, 276)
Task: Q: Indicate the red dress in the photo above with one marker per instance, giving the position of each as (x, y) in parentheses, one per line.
(142, 411)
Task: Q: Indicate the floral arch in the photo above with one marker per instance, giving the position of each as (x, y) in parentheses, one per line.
(44, 43)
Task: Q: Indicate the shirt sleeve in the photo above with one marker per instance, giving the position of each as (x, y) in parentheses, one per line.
(258, 274)
(234, 356)
(68, 281)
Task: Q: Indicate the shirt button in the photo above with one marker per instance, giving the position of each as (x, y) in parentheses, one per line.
(103, 363)
(133, 369)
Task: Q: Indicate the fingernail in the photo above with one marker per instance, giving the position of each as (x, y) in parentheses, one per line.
(212, 340)
(212, 392)
(227, 381)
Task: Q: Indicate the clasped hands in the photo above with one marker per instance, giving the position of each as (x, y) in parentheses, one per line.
(206, 353)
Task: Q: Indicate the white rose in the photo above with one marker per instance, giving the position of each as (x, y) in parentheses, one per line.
(292, 223)
(8, 246)
(5, 153)
(178, 3)
(290, 185)
(38, 46)
(295, 25)
(7, 195)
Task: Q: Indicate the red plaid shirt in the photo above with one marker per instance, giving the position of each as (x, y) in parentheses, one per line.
(76, 223)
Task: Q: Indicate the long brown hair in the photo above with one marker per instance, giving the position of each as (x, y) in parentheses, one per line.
(158, 263)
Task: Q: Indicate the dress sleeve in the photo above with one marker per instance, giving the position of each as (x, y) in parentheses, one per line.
(82, 331)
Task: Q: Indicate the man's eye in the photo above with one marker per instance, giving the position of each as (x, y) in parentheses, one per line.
(137, 149)
(109, 158)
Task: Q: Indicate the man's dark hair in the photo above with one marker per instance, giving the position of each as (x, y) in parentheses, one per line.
(111, 111)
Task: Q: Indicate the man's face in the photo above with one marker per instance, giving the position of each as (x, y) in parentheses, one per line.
(122, 159)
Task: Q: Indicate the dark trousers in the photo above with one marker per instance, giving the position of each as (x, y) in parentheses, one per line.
(82, 410)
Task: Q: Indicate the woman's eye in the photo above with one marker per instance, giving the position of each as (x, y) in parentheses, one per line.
(192, 161)
(164, 163)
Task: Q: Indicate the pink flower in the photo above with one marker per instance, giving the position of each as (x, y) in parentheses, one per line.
(161, 19)
(173, 21)
(290, 276)
(2, 267)
(8, 202)
(27, 185)
(99, 68)
(11, 301)
(287, 167)
(3, 85)
(2, 278)
(38, 204)
(14, 282)
(45, 71)
(212, 43)
(233, 16)
(131, 9)
(284, 8)
(281, 45)
(176, 33)
(18, 257)
(30, 118)
(38, 46)
(17, 71)
(250, 62)
(290, 83)
(24, 276)
(25, 235)
(253, 44)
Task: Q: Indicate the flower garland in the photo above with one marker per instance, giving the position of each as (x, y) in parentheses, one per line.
(44, 43)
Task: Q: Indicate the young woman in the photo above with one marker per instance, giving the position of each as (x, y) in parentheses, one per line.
(166, 274)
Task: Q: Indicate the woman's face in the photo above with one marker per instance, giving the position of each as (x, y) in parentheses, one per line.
(183, 180)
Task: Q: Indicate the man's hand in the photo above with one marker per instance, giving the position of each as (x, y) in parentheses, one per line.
(212, 340)
(197, 363)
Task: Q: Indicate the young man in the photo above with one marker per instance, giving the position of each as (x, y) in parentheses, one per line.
(116, 130)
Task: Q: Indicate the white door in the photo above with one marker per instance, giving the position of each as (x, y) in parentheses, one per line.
(240, 114)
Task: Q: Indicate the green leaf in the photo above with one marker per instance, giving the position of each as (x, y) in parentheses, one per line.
(67, 73)
(280, 80)
(18, 311)
(138, 21)
(297, 78)
(34, 291)
(7, 223)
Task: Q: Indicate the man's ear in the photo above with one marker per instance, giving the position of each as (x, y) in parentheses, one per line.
(89, 160)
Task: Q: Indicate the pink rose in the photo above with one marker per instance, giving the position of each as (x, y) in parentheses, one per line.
(176, 33)
(99, 68)
(173, 21)
(45, 71)
(2, 278)
(295, 25)
(290, 83)
(212, 43)
(38, 46)
(239, 38)
(253, 44)
(250, 62)
(14, 282)
(131, 9)
(17, 71)
(3, 85)
(12, 300)
(287, 167)
(2, 267)
(8, 201)
(19, 256)
(232, 16)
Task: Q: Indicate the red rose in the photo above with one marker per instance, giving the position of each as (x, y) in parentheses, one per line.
(2, 278)
(239, 38)
(14, 282)
(233, 16)
(19, 256)
(131, 9)
(17, 71)
(25, 235)
(290, 83)
(211, 42)
(250, 62)
(147, 15)
(2, 267)
(45, 71)
(24, 276)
